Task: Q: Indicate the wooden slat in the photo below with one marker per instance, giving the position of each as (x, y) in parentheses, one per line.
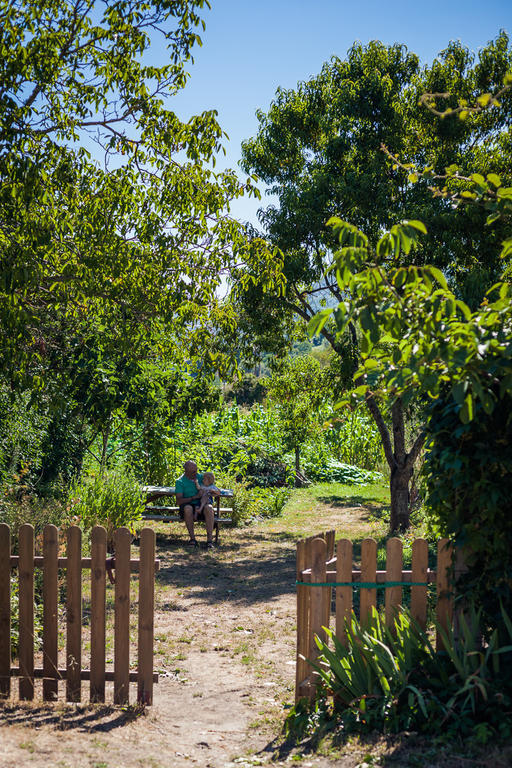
(302, 635)
(74, 613)
(343, 594)
(50, 615)
(85, 674)
(327, 593)
(394, 573)
(419, 574)
(318, 554)
(146, 613)
(444, 590)
(381, 576)
(368, 598)
(86, 563)
(5, 610)
(330, 543)
(98, 584)
(122, 540)
(26, 611)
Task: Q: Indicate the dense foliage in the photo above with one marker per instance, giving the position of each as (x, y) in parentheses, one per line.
(323, 149)
(392, 679)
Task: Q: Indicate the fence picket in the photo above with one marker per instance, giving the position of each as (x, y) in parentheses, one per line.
(318, 558)
(26, 611)
(394, 561)
(419, 574)
(50, 615)
(343, 594)
(444, 596)
(98, 584)
(74, 614)
(122, 539)
(302, 619)
(368, 599)
(5, 610)
(146, 612)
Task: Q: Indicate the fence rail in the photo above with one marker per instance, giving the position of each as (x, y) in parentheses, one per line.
(99, 566)
(324, 565)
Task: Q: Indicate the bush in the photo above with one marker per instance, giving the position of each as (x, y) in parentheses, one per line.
(468, 481)
(393, 680)
(18, 506)
(249, 504)
(113, 500)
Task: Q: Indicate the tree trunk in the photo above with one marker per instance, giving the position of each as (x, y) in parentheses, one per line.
(105, 435)
(298, 473)
(400, 461)
(399, 487)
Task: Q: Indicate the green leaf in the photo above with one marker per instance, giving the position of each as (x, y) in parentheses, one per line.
(317, 322)
(466, 412)
(438, 275)
(494, 179)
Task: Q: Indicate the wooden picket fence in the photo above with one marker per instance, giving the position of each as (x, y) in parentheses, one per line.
(321, 560)
(99, 566)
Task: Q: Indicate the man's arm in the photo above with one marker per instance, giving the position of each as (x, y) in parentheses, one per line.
(181, 499)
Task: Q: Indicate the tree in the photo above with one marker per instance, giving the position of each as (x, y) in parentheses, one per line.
(320, 150)
(144, 237)
(108, 273)
(296, 387)
(420, 342)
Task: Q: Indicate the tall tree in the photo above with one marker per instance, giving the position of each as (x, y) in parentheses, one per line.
(320, 150)
(144, 236)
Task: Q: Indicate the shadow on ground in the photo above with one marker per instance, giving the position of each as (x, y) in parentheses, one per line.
(232, 572)
(93, 718)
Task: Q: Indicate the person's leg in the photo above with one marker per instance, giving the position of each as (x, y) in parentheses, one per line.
(208, 521)
(188, 516)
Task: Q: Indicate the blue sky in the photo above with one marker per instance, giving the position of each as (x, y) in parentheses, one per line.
(251, 47)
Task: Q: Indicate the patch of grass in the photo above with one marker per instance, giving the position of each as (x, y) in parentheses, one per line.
(28, 745)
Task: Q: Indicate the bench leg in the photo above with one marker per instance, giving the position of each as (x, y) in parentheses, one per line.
(216, 529)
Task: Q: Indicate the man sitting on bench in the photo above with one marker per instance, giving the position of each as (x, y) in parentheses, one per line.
(188, 499)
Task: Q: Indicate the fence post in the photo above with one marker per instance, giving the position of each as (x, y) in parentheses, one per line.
(302, 619)
(50, 615)
(122, 540)
(98, 586)
(74, 614)
(318, 553)
(26, 611)
(146, 612)
(419, 574)
(393, 573)
(5, 610)
(343, 594)
(368, 598)
(444, 593)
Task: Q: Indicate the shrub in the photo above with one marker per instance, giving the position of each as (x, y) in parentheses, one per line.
(468, 479)
(113, 500)
(393, 680)
(249, 504)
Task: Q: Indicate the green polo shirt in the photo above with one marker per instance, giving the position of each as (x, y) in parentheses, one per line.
(186, 486)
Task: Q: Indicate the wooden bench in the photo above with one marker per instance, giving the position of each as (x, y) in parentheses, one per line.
(171, 514)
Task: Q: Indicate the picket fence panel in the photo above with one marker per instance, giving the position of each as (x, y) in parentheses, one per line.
(98, 565)
(317, 563)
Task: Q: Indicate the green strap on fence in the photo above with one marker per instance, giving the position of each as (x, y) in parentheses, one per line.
(362, 584)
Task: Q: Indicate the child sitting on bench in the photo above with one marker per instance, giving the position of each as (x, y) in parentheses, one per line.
(207, 489)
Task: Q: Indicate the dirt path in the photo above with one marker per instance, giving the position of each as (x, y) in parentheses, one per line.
(225, 645)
